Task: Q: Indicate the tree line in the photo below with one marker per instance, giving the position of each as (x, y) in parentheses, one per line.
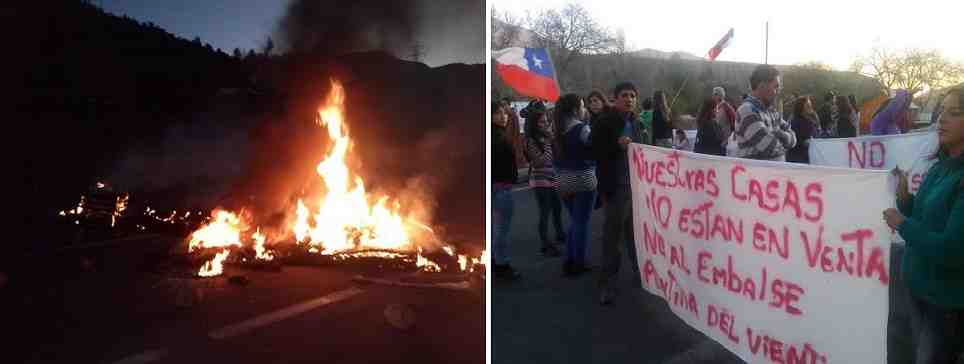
(588, 55)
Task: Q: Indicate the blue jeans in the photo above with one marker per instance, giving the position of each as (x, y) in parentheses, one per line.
(580, 206)
(937, 332)
(502, 209)
(549, 205)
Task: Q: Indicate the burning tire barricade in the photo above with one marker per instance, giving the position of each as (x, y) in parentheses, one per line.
(344, 224)
(221, 243)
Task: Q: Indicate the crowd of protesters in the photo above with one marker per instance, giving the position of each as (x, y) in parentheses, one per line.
(577, 154)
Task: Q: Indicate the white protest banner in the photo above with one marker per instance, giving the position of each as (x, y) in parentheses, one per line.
(778, 262)
(911, 152)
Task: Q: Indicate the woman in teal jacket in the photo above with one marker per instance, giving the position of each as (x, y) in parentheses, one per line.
(932, 224)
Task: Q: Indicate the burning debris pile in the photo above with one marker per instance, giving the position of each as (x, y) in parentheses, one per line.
(104, 205)
(344, 222)
(104, 210)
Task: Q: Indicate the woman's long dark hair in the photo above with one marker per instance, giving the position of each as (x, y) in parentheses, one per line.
(599, 95)
(799, 107)
(843, 106)
(532, 113)
(568, 107)
(496, 105)
(958, 92)
(707, 112)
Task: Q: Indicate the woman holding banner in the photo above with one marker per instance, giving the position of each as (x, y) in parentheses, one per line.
(932, 224)
(577, 178)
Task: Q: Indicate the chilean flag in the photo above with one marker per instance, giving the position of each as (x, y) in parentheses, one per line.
(722, 44)
(528, 71)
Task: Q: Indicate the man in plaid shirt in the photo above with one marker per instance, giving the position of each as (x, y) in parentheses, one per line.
(761, 132)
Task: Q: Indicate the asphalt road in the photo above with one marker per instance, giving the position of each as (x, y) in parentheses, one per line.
(547, 318)
(108, 305)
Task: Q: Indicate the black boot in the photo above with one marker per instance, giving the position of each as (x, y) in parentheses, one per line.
(550, 250)
(505, 272)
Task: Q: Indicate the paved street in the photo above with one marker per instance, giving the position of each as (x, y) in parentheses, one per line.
(112, 309)
(547, 318)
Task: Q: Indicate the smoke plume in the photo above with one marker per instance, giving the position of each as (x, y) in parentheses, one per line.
(431, 32)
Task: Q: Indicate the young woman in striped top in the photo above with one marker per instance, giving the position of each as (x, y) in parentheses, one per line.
(577, 178)
(542, 173)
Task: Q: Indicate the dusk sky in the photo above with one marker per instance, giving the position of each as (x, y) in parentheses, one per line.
(227, 24)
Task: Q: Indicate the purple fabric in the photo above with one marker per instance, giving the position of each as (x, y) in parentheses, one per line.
(885, 123)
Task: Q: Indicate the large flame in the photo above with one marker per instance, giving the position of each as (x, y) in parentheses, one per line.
(345, 218)
(345, 221)
(223, 232)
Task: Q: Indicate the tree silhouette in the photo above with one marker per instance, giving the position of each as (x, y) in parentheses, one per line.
(268, 47)
(506, 30)
(236, 53)
(912, 69)
(569, 34)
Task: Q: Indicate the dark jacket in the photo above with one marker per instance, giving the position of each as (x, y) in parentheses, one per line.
(845, 126)
(593, 117)
(504, 168)
(933, 264)
(661, 127)
(805, 129)
(709, 138)
(612, 164)
(825, 113)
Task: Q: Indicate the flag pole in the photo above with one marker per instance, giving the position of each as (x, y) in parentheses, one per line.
(766, 45)
(555, 74)
(681, 87)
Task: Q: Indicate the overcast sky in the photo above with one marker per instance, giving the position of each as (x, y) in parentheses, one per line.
(831, 32)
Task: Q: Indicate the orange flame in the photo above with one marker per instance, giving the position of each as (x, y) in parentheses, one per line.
(223, 232)
(425, 264)
(345, 220)
(215, 266)
(259, 250)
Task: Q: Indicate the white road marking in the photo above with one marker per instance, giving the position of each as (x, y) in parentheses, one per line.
(282, 314)
(458, 286)
(144, 358)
